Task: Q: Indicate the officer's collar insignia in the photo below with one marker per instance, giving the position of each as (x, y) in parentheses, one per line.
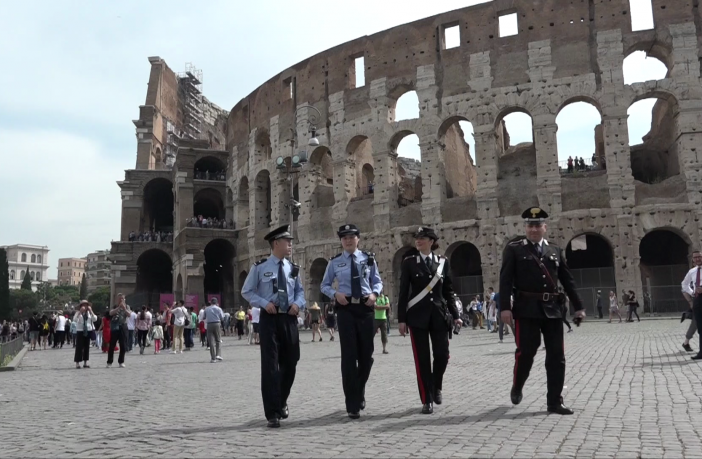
(268, 274)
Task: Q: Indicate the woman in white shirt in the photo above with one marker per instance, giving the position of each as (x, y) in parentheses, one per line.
(179, 314)
(84, 320)
(613, 307)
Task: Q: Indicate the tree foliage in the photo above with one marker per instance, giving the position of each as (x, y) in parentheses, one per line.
(27, 282)
(51, 297)
(5, 310)
(83, 288)
(25, 301)
(100, 298)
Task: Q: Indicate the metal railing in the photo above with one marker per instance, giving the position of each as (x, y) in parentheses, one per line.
(9, 349)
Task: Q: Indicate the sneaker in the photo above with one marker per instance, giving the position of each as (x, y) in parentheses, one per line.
(109, 365)
(173, 352)
(500, 342)
(121, 365)
(219, 357)
(213, 361)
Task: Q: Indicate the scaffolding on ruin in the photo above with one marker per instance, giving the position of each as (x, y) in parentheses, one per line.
(190, 88)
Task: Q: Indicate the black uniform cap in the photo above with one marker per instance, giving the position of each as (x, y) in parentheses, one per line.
(423, 231)
(279, 233)
(348, 230)
(534, 215)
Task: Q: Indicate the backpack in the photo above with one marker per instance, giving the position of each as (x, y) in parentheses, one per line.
(45, 327)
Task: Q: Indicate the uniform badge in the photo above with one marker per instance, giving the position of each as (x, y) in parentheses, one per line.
(341, 265)
(268, 274)
(534, 212)
(419, 230)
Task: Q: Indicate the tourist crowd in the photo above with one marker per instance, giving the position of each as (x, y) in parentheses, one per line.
(207, 175)
(212, 222)
(151, 236)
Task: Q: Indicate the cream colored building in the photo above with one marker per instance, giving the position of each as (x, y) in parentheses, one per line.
(71, 270)
(98, 270)
(24, 257)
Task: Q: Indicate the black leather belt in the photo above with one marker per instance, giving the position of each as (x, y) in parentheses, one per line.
(546, 297)
(352, 300)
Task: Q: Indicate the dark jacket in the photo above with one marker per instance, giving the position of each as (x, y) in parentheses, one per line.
(415, 276)
(521, 273)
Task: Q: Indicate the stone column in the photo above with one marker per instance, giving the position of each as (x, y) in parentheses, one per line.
(344, 186)
(618, 158)
(280, 199)
(548, 176)
(433, 181)
(486, 169)
(385, 189)
(306, 183)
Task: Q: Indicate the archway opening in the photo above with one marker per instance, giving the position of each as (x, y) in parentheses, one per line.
(210, 168)
(457, 153)
(154, 276)
(653, 133)
(663, 262)
(360, 150)
(157, 214)
(409, 167)
(591, 261)
(367, 179)
(516, 163)
(242, 204)
(219, 271)
(323, 178)
(580, 139)
(209, 204)
(406, 107)
(466, 270)
(640, 67)
(319, 266)
(263, 149)
(263, 200)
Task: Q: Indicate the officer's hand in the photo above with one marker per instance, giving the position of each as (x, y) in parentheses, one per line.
(371, 300)
(270, 309)
(458, 322)
(294, 309)
(580, 314)
(341, 298)
(402, 328)
(506, 317)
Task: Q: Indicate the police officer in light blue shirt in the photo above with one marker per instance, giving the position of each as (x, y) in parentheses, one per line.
(275, 287)
(358, 287)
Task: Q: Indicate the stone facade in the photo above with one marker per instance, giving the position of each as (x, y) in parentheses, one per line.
(561, 54)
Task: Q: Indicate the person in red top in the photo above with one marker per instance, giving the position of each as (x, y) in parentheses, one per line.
(106, 332)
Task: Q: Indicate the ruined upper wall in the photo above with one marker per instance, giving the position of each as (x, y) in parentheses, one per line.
(395, 54)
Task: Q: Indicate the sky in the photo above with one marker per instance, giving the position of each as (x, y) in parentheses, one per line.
(74, 75)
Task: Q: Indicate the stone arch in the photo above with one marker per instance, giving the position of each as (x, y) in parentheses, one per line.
(572, 134)
(321, 159)
(262, 146)
(263, 207)
(323, 178)
(367, 179)
(317, 270)
(157, 210)
(653, 48)
(466, 270)
(664, 260)
(242, 204)
(590, 257)
(460, 174)
(360, 150)
(404, 95)
(208, 202)
(408, 172)
(209, 168)
(219, 271)
(154, 276)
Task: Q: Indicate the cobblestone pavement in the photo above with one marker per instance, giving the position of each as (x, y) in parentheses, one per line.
(635, 391)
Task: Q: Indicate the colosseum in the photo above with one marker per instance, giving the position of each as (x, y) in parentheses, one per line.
(628, 221)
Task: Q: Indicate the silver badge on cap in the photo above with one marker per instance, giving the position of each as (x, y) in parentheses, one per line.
(347, 227)
(420, 229)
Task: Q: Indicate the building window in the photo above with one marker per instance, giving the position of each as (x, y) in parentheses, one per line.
(12, 274)
(22, 274)
(24, 257)
(451, 36)
(509, 25)
(31, 275)
(38, 258)
(38, 275)
(34, 258)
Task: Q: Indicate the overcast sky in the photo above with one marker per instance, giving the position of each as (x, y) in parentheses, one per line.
(74, 74)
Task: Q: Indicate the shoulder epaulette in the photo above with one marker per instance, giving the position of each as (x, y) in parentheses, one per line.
(369, 254)
(260, 261)
(517, 242)
(335, 256)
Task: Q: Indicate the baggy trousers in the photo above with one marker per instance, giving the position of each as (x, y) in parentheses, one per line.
(356, 332)
(428, 380)
(280, 352)
(527, 335)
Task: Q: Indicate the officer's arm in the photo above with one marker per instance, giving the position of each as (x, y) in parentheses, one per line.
(507, 278)
(299, 298)
(326, 285)
(568, 283)
(248, 291)
(375, 281)
(405, 287)
(448, 292)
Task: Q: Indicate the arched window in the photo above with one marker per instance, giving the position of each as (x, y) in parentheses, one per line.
(22, 274)
(31, 275)
(12, 274)
(24, 257)
(34, 258)
(38, 275)
(38, 258)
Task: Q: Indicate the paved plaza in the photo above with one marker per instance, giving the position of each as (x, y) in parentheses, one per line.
(635, 391)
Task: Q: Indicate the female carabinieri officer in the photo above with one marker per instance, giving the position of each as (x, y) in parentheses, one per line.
(427, 305)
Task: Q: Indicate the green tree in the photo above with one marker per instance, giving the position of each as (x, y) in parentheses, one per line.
(27, 282)
(23, 300)
(4, 286)
(100, 298)
(83, 288)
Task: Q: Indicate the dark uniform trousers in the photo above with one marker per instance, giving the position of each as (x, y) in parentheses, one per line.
(428, 380)
(527, 335)
(356, 331)
(697, 314)
(280, 352)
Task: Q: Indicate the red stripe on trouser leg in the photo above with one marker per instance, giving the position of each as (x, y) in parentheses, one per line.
(422, 393)
(516, 354)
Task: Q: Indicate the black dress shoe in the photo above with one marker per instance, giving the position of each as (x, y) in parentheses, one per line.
(354, 414)
(559, 409)
(687, 347)
(437, 397)
(363, 403)
(698, 356)
(284, 413)
(516, 396)
(428, 408)
(273, 423)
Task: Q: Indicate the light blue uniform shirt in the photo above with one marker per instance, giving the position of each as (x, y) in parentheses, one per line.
(339, 268)
(258, 288)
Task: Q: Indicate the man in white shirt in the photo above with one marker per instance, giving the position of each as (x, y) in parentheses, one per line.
(131, 326)
(693, 294)
(60, 330)
(255, 316)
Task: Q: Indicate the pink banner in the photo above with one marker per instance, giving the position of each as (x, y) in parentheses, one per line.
(218, 296)
(166, 298)
(191, 301)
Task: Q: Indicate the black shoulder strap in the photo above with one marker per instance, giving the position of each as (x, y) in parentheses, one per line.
(260, 261)
(545, 271)
(335, 256)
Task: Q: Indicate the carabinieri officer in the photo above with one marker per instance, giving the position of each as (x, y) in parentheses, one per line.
(359, 286)
(427, 305)
(530, 271)
(275, 287)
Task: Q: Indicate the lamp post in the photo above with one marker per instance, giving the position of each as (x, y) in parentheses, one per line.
(298, 159)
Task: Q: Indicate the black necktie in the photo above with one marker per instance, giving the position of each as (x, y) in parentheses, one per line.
(537, 246)
(282, 288)
(428, 262)
(355, 279)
